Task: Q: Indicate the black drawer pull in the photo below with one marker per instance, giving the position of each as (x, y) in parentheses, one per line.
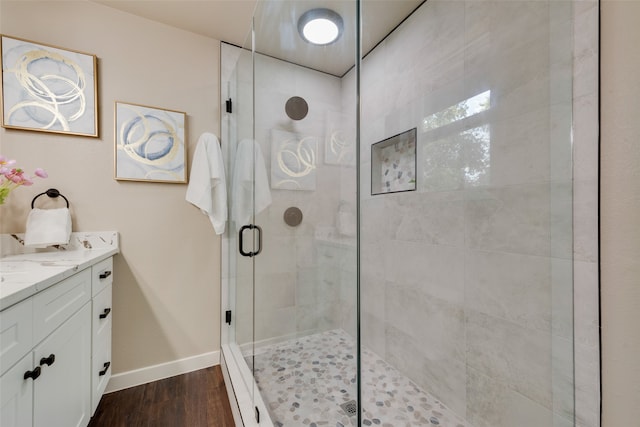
(106, 368)
(105, 313)
(105, 274)
(33, 374)
(48, 360)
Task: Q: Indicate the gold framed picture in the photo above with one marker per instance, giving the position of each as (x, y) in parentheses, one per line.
(150, 144)
(48, 89)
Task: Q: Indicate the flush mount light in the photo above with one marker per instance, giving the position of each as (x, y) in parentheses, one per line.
(320, 26)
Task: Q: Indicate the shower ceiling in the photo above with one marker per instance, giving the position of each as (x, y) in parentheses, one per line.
(229, 20)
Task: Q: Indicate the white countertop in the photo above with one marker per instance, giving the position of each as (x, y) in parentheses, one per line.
(25, 271)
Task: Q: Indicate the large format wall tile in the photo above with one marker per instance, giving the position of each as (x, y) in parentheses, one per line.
(492, 403)
(509, 219)
(520, 149)
(562, 298)
(561, 206)
(316, 317)
(562, 376)
(375, 221)
(510, 286)
(274, 323)
(438, 324)
(444, 377)
(372, 337)
(518, 357)
(436, 218)
(436, 270)
(275, 290)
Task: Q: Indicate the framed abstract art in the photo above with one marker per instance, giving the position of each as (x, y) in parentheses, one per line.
(150, 144)
(48, 89)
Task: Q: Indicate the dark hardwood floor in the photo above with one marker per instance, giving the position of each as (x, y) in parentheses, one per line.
(196, 399)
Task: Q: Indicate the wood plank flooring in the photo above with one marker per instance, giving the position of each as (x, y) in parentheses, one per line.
(195, 399)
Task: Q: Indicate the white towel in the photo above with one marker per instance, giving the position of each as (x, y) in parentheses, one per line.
(207, 186)
(245, 172)
(46, 227)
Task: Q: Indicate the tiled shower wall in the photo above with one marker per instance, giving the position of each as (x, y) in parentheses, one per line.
(467, 283)
(295, 294)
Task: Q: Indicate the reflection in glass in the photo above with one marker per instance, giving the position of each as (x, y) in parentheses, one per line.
(462, 110)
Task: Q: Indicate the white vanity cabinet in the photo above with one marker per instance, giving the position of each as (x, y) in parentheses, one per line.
(102, 284)
(61, 395)
(50, 344)
(16, 342)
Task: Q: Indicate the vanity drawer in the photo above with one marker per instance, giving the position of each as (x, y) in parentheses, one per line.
(102, 313)
(100, 366)
(16, 333)
(102, 275)
(56, 304)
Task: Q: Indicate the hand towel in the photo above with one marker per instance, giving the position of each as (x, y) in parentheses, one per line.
(249, 174)
(46, 227)
(207, 187)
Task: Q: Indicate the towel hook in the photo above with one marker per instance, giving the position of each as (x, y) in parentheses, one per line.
(53, 193)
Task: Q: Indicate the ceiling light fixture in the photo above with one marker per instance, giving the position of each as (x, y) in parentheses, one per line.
(320, 26)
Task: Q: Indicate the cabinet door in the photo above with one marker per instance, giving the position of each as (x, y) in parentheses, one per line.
(16, 333)
(62, 394)
(16, 395)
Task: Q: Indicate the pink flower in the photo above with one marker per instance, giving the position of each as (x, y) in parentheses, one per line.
(12, 178)
(17, 179)
(5, 162)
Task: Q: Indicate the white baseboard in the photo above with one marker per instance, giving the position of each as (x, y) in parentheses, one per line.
(164, 370)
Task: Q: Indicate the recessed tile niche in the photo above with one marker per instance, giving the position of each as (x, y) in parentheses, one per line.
(393, 164)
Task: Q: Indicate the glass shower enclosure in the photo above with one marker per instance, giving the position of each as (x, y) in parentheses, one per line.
(399, 250)
(289, 136)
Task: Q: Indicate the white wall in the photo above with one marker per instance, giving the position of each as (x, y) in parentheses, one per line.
(167, 277)
(620, 210)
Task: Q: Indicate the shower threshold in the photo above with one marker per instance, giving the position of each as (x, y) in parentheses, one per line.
(309, 381)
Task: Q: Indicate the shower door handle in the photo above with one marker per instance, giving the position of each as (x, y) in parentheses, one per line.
(259, 240)
(241, 240)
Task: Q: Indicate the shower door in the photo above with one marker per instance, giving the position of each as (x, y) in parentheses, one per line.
(305, 316)
(240, 245)
(290, 142)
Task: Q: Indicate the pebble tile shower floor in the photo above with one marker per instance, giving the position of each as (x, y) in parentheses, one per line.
(305, 381)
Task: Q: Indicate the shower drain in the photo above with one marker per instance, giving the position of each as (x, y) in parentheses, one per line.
(350, 407)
